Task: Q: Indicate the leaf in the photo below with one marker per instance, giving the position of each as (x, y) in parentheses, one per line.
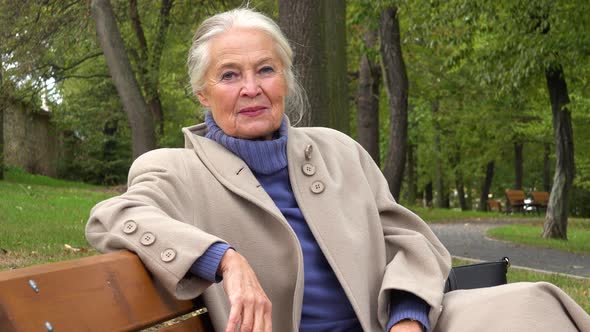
(70, 248)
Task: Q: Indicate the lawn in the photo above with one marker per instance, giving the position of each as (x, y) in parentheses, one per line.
(431, 215)
(40, 217)
(530, 234)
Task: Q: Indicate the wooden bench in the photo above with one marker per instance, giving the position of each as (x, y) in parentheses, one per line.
(540, 200)
(515, 200)
(494, 205)
(110, 292)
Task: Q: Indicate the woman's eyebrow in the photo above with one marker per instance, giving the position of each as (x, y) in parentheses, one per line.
(264, 60)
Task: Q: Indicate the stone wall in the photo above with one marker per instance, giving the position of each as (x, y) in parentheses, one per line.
(30, 140)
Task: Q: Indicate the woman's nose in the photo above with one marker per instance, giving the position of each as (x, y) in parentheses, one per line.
(251, 87)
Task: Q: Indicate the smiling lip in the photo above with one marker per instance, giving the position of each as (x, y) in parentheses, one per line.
(252, 111)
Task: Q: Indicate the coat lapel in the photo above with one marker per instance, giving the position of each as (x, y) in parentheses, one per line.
(228, 169)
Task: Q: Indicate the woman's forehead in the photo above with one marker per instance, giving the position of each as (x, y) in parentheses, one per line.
(241, 45)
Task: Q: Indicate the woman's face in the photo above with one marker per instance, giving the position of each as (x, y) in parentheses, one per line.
(245, 86)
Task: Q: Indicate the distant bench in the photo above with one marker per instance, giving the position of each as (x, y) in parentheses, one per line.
(540, 199)
(515, 200)
(110, 292)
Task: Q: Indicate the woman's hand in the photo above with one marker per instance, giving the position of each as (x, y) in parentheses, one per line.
(251, 309)
(407, 325)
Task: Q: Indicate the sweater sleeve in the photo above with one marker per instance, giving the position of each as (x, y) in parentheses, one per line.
(206, 265)
(406, 305)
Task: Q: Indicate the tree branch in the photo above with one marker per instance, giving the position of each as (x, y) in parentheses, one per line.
(63, 78)
(75, 64)
(142, 64)
(158, 46)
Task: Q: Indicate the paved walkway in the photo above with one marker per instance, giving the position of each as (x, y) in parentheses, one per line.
(467, 239)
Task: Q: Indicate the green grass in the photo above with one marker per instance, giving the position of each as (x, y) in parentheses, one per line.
(530, 234)
(40, 215)
(431, 215)
(578, 289)
(17, 175)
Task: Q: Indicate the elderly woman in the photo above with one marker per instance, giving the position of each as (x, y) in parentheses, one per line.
(292, 229)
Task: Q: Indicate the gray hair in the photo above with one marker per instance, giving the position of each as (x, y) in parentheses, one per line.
(199, 61)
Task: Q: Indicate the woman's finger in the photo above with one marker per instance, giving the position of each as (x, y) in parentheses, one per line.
(267, 318)
(235, 314)
(248, 318)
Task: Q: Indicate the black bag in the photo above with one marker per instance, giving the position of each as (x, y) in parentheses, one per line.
(479, 275)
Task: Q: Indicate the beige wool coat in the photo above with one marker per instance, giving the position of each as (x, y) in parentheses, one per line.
(181, 201)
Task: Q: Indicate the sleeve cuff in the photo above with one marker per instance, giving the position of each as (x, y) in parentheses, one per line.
(205, 267)
(406, 305)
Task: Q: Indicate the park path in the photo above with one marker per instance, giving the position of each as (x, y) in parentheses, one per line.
(468, 239)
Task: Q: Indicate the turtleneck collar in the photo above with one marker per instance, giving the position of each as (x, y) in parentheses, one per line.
(263, 157)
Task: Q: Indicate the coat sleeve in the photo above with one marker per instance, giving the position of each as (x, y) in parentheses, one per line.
(154, 219)
(417, 262)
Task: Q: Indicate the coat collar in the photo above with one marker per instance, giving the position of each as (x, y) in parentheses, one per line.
(228, 168)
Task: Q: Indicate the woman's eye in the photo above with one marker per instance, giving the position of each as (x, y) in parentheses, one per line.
(267, 70)
(228, 76)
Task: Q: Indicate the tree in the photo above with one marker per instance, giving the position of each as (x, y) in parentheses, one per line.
(2, 106)
(134, 104)
(486, 186)
(558, 207)
(396, 83)
(317, 32)
(488, 39)
(148, 60)
(369, 85)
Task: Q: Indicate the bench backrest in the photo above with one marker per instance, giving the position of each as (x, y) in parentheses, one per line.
(494, 205)
(540, 197)
(111, 292)
(515, 197)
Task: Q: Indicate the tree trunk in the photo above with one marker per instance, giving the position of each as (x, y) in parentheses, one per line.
(138, 114)
(486, 186)
(2, 107)
(518, 165)
(456, 161)
(557, 210)
(148, 63)
(428, 194)
(396, 82)
(546, 168)
(440, 187)
(367, 113)
(317, 32)
(412, 181)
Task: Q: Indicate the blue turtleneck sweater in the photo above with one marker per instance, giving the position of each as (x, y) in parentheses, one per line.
(325, 305)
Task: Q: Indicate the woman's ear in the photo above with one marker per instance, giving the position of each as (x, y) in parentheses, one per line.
(203, 98)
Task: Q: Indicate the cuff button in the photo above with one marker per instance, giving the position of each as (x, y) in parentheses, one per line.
(129, 227)
(147, 239)
(168, 255)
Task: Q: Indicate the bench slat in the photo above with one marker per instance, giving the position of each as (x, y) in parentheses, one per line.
(111, 292)
(193, 324)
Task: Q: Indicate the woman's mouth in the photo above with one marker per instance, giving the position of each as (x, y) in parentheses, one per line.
(252, 111)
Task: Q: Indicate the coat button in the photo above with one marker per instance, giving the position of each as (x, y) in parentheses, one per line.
(168, 255)
(147, 239)
(129, 227)
(308, 169)
(317, 187)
